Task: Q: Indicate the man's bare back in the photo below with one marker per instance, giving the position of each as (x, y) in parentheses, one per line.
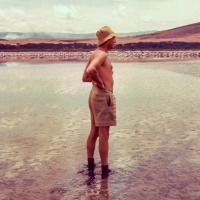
(104, 70)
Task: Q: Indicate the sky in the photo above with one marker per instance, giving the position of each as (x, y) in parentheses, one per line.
(87, 16)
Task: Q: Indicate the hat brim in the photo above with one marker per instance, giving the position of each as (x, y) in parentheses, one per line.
(100, 42)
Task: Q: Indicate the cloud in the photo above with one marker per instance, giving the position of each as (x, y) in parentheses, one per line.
(16, 11)
(17, 19)
(51, 18)
(87, 16)
(1, 13)
(64, 12)
(147, 18)
(121, 1)
(121, 11)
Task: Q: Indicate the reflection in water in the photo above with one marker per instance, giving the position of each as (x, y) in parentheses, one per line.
(91, 178)
(97, 190)
(2, 64)
(104, 191)
(188, 68)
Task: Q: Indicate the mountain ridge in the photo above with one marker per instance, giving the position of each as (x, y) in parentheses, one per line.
(51, 35)
(189, 33)
(180, 38)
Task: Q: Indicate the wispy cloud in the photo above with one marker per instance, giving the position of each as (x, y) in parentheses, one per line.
(147, 18)
(64, 12)
(17, 19)
(121, 11)
(88, 16)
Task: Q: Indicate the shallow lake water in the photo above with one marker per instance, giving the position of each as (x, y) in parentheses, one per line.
(44, 123)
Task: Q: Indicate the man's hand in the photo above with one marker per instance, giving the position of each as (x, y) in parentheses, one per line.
(98, 85)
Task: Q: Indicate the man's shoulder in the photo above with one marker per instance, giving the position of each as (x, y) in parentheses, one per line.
(102, 55)
(99, 55)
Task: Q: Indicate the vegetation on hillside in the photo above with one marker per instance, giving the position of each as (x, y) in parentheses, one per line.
(153, 46)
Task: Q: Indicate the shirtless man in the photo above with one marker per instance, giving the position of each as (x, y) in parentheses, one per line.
(101, 100)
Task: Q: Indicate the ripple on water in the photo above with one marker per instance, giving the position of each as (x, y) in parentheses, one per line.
(154, 150)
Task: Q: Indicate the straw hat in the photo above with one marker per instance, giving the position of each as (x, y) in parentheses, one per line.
(105, 33)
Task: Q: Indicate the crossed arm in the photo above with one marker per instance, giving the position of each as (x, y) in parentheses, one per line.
(91, 73)
(85, 77)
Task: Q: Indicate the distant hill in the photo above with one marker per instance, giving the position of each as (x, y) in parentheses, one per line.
(23, 35)
(180, 38)
(188, 33)
(26, 35)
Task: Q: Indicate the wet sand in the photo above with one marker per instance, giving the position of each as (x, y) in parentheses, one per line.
(44, 122)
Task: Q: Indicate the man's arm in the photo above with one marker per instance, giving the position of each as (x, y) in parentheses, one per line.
(92, 71)
(85, 77)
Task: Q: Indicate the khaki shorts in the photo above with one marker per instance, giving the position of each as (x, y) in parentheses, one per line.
(102, 106)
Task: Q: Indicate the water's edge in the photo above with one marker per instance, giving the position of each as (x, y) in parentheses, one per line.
(83, 56)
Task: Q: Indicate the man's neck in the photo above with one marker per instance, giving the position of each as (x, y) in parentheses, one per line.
(103, 49)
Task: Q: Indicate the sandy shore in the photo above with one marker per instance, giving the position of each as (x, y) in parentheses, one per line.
(118, 56)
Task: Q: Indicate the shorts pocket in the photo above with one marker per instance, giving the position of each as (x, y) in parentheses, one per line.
(100, 100)
(112, 109)
(111, 101)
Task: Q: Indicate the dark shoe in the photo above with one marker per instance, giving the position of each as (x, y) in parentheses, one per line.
(105, 171)
(105, 174)
(91, 167)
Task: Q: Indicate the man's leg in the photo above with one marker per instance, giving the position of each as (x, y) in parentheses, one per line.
(103, 150)
(103, 144)
(91, 142)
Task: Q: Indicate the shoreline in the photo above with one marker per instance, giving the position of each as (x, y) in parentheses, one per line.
(115, 56)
